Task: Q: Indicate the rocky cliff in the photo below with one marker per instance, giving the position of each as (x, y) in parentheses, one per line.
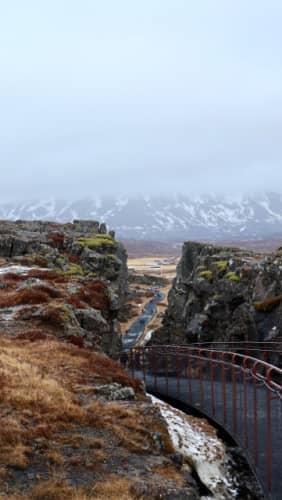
(73, 423)
(223, 294)
(67, 280)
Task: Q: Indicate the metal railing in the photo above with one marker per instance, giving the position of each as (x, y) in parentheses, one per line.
(241, 392)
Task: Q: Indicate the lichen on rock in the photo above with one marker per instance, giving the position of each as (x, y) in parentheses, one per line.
(223, 294)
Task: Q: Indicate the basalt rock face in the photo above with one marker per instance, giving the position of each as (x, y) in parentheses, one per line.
(223, 294)
(87, 281)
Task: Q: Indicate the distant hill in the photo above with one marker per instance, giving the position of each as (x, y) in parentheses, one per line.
(174, 218)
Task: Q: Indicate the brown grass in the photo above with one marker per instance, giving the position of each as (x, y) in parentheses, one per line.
(13, 277)
(57, 238)
(95, 443)
(34, 260)
(42, 274)
(74, 259)
(109, 370)
(52, 489)
(113, 488)
(53, 292)
(32, 335)
(15, 457)
(93, 293)
(39, 387)
(75, 302)
(24, 296)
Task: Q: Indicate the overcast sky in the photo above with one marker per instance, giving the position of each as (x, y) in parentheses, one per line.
(152, 96)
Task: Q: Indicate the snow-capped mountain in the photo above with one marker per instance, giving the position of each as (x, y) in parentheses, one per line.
(162, 218)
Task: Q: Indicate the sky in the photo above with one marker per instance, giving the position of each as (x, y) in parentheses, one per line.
(152, 97)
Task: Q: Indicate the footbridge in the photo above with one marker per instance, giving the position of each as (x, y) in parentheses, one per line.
(238, 385)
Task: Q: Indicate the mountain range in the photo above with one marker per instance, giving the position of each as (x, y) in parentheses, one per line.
(175, 218)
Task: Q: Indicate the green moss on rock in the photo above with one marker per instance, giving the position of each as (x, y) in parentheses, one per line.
(201, 268)
(207, 275)
(232, 276)
(221, 265)
(74, 270)
(98, 241)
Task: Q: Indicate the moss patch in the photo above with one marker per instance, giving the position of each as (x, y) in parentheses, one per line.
(221, 265)
(74, 270)
(232, 276)
(207, 275)
(201, 268)
(98, 241)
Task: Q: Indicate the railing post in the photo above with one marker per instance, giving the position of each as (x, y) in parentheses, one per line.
(212, 382)
(144, 367)
(223, 376)
(189, 378)
(255, 411)
(201, 378)
(177, 374)
(234, 393)
(245, 403)
(132, 363)
(166, 373)
(154, 369)
(268, 430)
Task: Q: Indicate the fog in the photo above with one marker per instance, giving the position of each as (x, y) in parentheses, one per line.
(155, 97)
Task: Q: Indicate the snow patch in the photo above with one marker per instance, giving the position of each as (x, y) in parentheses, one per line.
(145, 338)
(14, 269)
(197, 441)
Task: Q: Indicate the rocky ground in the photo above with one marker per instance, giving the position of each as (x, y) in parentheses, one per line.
(224, 294)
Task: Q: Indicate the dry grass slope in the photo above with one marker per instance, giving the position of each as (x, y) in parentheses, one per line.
(44, 395)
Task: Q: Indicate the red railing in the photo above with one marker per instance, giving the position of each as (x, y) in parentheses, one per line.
(241, 392)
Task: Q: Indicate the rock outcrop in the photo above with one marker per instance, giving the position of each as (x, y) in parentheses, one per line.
(86, 284)
(223, 294)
